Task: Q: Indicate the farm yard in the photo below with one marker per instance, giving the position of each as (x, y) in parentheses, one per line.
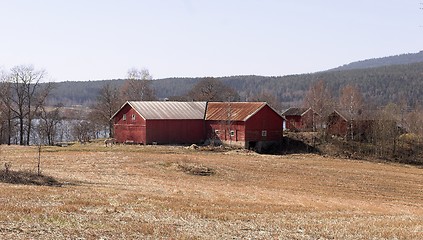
(138, 192)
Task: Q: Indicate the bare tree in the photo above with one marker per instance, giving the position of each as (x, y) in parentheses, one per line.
(83, 131)
(211, 89)
(26, 97)
(414, 123)
(49, 122)
(266, 96)
(319, 99)
(6, 106)
(385, 131)
(108, 102)
(137, 87)
(351, 100)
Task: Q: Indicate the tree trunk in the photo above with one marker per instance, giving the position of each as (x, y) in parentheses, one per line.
(111, 135)
(28, 134)
(9, 127)
(21, 131)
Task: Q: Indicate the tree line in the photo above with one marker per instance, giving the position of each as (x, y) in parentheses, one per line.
(381, 85)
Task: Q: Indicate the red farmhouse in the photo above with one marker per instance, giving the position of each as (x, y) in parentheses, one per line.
(299, 119)
(245, 124)
(146, 122)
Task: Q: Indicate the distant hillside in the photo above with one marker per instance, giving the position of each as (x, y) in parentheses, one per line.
(408, 58)
(379, 86)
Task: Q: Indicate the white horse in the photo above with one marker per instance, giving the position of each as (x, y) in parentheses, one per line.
(109, 141)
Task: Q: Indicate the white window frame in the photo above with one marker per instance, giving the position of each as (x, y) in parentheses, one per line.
(232, 133)
(124, 117)
(133, 117)
(216, 132)
(264, 133)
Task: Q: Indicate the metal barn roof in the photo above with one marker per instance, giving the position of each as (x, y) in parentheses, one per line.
(169, 110)
(236, 111)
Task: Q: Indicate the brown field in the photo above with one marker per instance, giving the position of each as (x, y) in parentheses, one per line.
(138, 192)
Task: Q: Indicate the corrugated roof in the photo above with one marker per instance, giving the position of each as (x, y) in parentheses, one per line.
(235, 111)
(169, 110)
(295, 111)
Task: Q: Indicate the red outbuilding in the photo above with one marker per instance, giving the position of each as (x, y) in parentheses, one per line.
(146, 122)
(299, 119)
(244, 124)
(360, 126)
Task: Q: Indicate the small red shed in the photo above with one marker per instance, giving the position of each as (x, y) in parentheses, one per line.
(299, 119)
(244, 124)
(148, 122)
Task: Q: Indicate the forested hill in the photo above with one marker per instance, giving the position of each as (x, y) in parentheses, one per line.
(384, 61)
(379, 86)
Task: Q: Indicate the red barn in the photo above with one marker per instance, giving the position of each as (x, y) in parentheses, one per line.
(145, 122)
(360, 126)
(338, 123)
(299, 119)
(245, 124)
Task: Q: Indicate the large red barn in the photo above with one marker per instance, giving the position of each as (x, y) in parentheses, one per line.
(245, 124)
(146, 122)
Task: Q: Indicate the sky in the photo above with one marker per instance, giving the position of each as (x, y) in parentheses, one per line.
(83, 40)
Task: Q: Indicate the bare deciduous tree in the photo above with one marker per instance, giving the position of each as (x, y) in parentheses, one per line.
(211, 89)
(6, 104)
(49, 122)
(351, 100)
(137, 87)
(266, 96)
(26, 96)
(385, 131)
(108, 102)
(320, 100)
(83, 131)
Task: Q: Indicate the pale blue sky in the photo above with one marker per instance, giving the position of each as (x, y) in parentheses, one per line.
(102, 39)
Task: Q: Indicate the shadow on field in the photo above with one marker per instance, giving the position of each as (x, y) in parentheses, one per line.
(27, 178)
(290, 145)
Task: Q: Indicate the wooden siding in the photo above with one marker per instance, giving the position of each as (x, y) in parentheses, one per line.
(264, 120)
(300, 122)
(129, 130)
(187, 131)
(175, 131)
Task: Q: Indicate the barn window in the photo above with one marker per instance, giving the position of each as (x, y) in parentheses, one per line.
(264, 133)
(232, 133)
(124, 117)
(216, 132)
(133, 117)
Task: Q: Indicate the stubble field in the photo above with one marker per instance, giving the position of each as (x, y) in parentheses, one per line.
(148, 192)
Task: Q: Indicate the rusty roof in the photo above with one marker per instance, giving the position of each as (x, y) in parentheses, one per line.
(169, 110)
(235, 111)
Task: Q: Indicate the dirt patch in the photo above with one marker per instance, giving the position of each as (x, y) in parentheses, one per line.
(27, 178)
(196, 169)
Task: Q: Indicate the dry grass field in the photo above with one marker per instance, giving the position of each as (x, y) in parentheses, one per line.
(148, 192)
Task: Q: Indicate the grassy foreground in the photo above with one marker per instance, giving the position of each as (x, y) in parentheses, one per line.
(139, 192)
